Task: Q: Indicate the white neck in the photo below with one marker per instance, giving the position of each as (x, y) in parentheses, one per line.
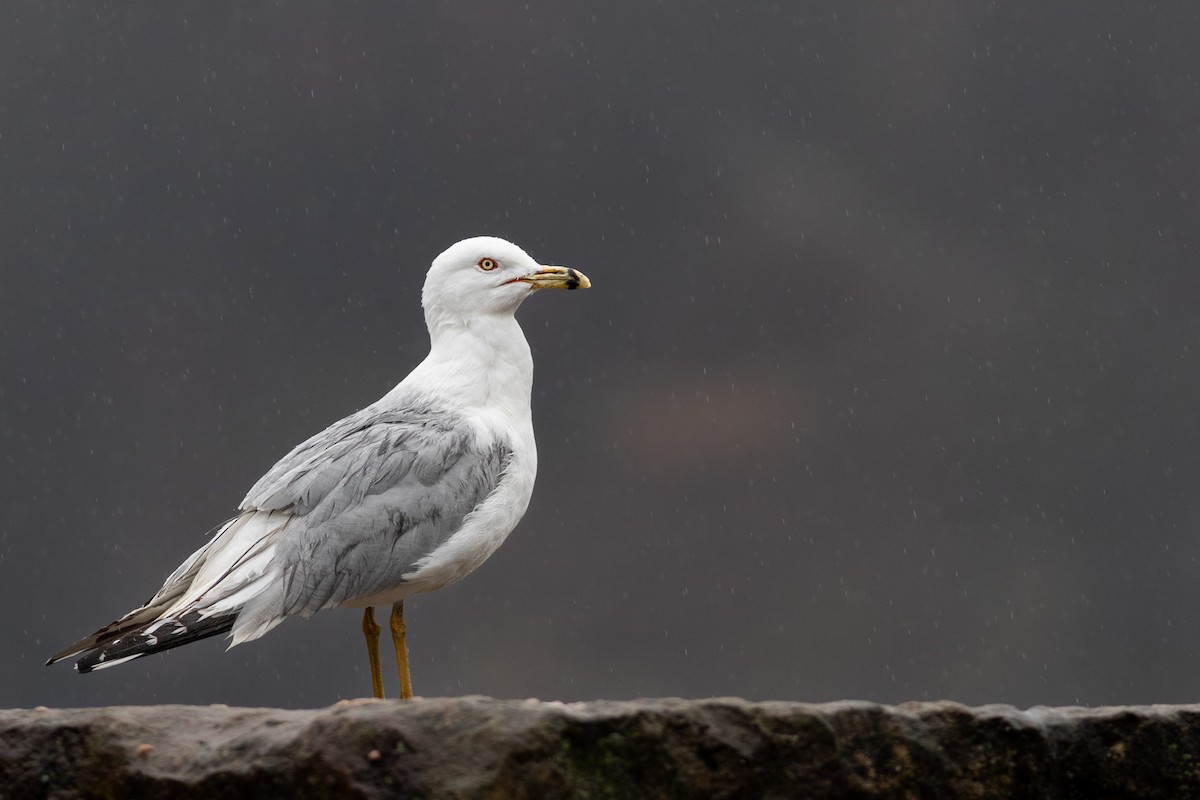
(482, 363)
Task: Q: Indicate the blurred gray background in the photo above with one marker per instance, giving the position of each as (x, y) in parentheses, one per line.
(886, 388)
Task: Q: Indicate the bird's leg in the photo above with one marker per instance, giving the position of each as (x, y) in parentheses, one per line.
(371, 630)
(399, 631)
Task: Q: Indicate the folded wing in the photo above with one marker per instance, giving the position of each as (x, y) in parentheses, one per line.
(345, 515)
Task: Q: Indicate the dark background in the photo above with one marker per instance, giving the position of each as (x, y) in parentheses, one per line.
(886, 388)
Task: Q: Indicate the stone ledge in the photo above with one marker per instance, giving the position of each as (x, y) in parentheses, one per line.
(721, 748)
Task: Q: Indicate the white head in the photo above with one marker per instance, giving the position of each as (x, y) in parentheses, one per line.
(487, 276)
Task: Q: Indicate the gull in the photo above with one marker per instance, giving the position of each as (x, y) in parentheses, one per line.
(408, 495)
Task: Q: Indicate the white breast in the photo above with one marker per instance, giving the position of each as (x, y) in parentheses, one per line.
(482, 531)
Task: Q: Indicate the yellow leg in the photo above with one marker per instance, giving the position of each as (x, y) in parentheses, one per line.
(399, 631)
(371, 630)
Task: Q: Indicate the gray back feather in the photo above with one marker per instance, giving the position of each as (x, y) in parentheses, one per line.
(371, 495)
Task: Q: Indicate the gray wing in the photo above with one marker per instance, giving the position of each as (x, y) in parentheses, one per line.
(370, 496)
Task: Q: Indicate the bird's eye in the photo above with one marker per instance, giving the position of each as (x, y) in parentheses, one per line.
(487, 264)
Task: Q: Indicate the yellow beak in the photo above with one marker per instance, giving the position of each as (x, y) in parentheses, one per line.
(556, 278)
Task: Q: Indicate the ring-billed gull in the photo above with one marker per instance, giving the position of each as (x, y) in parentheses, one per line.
(405, 496)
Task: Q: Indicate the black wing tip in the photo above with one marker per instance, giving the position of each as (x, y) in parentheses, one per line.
(63, 656)
(168, 634)
(94, 660)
